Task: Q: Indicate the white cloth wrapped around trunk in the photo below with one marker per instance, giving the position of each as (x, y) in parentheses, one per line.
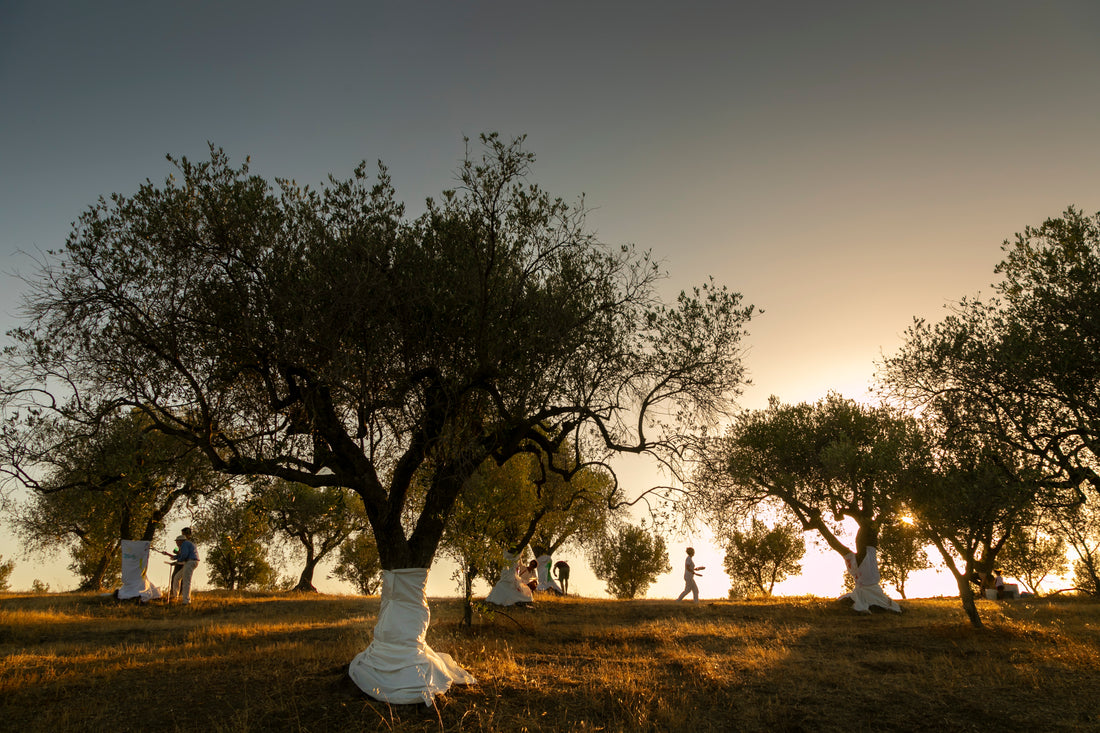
(510, 590)
(546, 580)
(399, 667)
(135, 567)
(868, 591)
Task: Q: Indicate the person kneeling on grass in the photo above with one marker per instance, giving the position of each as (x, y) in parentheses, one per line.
(863, 567)
(186, 559)
(529, 577)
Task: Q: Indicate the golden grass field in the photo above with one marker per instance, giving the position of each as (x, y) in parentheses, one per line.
(261, 662)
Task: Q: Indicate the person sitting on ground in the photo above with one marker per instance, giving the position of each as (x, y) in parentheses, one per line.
(186, 559)
(530, 576)
(1004, 590)
(561, 571)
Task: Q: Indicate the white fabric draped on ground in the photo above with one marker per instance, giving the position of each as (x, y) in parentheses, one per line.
(868, 591)
(510, 590)
(135, 567)
(398, 666)
(546, 580)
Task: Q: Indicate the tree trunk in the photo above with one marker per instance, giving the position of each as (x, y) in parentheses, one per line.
(399, 667)
(305, 581)
(966, 597)
(95, 581)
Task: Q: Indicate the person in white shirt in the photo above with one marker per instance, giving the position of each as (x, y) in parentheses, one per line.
(690, 571)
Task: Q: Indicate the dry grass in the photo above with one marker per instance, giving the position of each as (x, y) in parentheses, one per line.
(233, 662)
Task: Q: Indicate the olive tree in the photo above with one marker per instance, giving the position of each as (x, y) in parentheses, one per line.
(357, 563)
(901, 552)
(760, 556)
(237, 539)
(315, 521)
(629, 560)
(1027, 360)
(322, 336)
(1034, 551)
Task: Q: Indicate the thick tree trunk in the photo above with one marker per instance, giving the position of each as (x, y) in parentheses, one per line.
(399, 667)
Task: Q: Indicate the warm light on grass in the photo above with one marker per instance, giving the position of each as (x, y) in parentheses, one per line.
(234, 662)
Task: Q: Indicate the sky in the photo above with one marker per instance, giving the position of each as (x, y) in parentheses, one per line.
(846, 166)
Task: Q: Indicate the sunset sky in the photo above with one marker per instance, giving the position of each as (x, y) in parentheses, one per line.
(846, 166)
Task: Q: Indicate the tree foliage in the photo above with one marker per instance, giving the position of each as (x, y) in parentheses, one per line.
(630, 560)
(1028, 361)
(315, 521)
(236, 537)
(759, 557)
(118, 482)
(901, 552)
(1079, 526)
(321, 337)
(6, 569)
(357, 563)
(822, 463)
(1034, 551)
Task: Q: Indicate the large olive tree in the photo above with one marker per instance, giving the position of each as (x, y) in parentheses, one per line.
(323, 337)
(1026, 362)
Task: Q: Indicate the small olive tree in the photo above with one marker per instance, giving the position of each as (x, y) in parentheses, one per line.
(6, 569)
(236, 538)
(759, 557)
(630, 560)
(901, 552)
(357, 563)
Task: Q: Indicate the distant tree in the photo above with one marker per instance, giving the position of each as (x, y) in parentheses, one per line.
(315, 521)
(84, 524)
(1034, 551)
(546, 503)
(236, 535)
(630, 560)
(6, 569)
(37, 586)
(901, 551)
(761, 556)
(489, 516)
(357, 563)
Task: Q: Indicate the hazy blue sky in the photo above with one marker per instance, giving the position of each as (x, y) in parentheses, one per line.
(846, 166)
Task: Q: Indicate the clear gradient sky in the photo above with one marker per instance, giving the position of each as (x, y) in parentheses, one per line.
(846, 166)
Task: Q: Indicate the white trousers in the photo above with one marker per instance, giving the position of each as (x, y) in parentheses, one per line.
(690, 586)
(181, 582)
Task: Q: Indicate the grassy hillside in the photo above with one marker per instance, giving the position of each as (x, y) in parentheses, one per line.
(232, 662)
